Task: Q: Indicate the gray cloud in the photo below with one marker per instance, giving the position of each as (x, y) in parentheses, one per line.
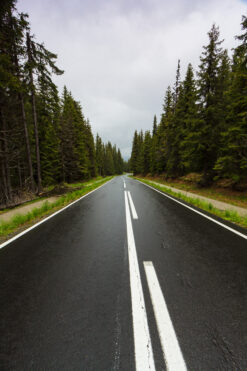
(119, 56)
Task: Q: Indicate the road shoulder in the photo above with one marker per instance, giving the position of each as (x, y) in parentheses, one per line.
(205, 204)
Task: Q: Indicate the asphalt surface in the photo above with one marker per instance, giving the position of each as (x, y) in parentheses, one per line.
(65, 296)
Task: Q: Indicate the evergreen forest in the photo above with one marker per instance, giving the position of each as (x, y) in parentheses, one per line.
(45, 139)
(203, 125)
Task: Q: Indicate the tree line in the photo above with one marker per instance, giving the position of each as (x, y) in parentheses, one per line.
(203, 126)
(44, 138)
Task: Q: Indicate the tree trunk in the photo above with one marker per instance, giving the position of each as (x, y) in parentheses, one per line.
(30, 165)
(36, 141)
(19, 173)
(5, 168)
(35, 122)
(4, 189)
(24, 120)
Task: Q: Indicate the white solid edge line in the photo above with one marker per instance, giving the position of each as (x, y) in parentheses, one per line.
(132, 206)
(172, 353)
(142, 342)
(49, 217)
(198, 212)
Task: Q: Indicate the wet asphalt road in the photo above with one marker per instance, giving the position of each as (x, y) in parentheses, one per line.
(65, 300)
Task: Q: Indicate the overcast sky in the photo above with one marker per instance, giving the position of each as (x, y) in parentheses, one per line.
(119, 56)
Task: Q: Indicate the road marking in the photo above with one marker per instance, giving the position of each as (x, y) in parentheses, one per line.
(132, 206)
(49, 217)
(198, 212)
(171, 350)
(142, 341)
(124, 185)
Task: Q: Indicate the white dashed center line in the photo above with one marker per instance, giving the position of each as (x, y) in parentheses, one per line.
(170, 346)
(132, 206)
(143, 348)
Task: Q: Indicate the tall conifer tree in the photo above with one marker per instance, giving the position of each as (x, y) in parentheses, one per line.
(208, 83)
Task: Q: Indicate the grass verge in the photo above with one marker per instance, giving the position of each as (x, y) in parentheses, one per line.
(22, 204)
(83, 184)
(224, 194)
(229, 215)
(47, 208)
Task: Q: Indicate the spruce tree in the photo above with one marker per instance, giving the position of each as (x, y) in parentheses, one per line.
(208, 83)
(109, 164)
(174, 137)
(11, 33)
(99, 153)
(154, 148)
(155, 125)
(90, 147)
(70, 144)
(176, 87)
(164, 132)
(140, 156)
(48, 113)
(120, 161)
(41, 136)
(154, 155)
(134, 154)
(147, 147)
(232, 161)
(190, 123)
(115, 159)
(40, 61)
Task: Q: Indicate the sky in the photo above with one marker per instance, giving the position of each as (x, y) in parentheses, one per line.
(119, 56)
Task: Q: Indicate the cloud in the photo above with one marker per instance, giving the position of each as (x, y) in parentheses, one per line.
(120, 56)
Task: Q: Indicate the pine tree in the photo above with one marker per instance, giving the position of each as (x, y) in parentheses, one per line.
(155, 126)
(176, 87)
(99, 153)
(120, 161)
(209, 131)
(203, 127)
(164, 132)
(147, 146)
(12, 27)
(41, 137)
(134, 154)
(140, 157)
(188, 116)
(154, 148)
(174, 138)
(115, 159)
(154, 155)
(69, 149)
(233, 160)
(89, 139)
(109, 164)
(19, 24)
(48, 112)
(39, 61)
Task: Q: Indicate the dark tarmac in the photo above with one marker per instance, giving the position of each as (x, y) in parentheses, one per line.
(65, 301)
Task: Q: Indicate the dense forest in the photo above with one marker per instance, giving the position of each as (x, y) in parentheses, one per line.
(44, 138)
(203, 126)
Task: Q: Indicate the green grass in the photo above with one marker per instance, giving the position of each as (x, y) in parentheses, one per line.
(21, 205)
(51, 187)
(84, 184)
(224, 194)
(229, 215)
(20, 220)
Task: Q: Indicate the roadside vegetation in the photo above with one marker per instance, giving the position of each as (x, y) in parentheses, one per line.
(216, 191)
(228, 215)
(203, 125)
(20, 221)
(45, 138)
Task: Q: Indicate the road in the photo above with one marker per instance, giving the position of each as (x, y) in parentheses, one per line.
(125, 279)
